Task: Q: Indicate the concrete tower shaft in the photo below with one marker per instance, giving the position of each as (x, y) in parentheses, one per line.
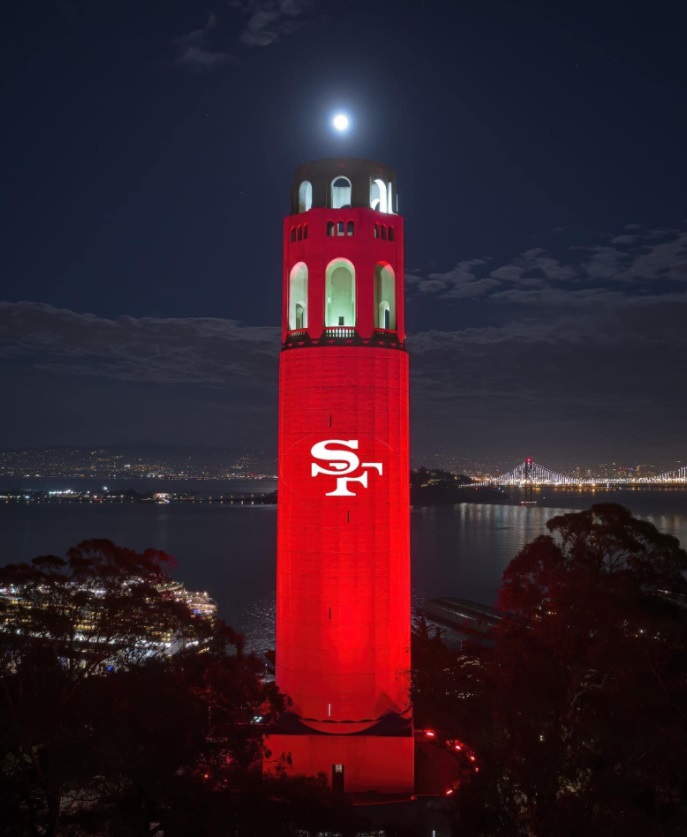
(343, 565)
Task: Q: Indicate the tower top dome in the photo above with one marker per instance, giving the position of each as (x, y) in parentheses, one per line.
(343, 182)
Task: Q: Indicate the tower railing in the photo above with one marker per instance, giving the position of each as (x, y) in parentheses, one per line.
(339, 332)
(348, 335)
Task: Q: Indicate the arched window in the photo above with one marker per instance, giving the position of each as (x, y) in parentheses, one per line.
(376, 230)
(341, 193)
(305, 230)
(300, 233)
(340, 228)
(305, 196)
(385, 297)
(298, 296)
(330, 228)
(349, 228)
(340, 293)
(293, 233)
(378, 195)
(391, 233)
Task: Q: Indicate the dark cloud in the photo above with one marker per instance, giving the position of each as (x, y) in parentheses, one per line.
(269, 20)
(583, 348)
(633, 264)
(265, 22)
(205, 351)
(526, 384)
(193, 50)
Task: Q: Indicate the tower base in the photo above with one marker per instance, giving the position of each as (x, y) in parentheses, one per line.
(355, 763)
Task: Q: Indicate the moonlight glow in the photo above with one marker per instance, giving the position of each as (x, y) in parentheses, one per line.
(341, 122)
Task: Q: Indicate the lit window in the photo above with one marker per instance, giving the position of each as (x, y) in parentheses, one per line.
(378, 197)
(340, 293)
(305, 196)
(341, 193)
(298, 297)
(385, 297)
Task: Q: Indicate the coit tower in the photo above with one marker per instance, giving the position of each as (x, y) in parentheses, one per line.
(343, 563)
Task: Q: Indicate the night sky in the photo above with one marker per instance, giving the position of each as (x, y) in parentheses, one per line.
(541, 152)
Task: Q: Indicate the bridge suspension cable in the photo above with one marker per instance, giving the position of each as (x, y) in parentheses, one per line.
(530, 472)
(678, 475)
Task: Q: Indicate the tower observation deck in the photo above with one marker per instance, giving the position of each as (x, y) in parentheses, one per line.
(343, 562)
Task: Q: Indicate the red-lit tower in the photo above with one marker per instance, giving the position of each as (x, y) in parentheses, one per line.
(343, 565)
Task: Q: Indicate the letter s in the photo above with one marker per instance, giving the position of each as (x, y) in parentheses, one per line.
(340, 461)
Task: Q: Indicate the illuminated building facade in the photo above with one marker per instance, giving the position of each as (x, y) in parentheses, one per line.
(343, 565)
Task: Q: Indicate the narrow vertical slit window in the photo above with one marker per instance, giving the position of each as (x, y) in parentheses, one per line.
(378, 196)
(298, 297)
(305, 196)
(385, 297)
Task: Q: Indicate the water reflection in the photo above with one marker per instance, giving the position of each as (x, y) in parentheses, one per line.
(230, 551)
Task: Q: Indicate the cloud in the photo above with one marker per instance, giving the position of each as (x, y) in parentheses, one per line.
(636, 263)
(266, 21)
(193, 51)
(200, 351)
(613, 374)
(563, 382)
(645, 256)
(269, 20)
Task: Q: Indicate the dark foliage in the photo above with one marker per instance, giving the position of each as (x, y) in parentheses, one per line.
(102, 730)
(578, 708)
(436, 487)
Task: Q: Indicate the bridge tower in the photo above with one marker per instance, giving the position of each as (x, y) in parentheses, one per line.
(343, 562)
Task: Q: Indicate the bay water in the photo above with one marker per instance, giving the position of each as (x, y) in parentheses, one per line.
(230, 551)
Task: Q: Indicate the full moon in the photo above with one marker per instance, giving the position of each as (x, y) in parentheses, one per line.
(340, 122)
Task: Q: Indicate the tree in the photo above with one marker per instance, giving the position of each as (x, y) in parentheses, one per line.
(604, 551)
(108, 713)
(579, 710)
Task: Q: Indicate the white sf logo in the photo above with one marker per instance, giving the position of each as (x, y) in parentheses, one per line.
(340, 464)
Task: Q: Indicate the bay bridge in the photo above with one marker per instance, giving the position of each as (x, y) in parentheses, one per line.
(529, 473)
